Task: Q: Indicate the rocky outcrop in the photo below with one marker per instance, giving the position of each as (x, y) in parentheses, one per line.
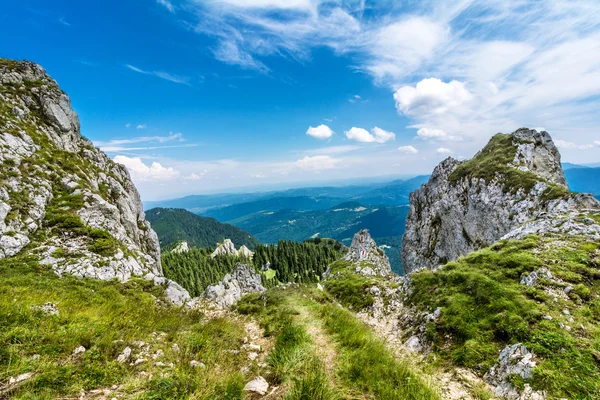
(61, 198)
(513, 360)
(513, 187)
(242, 280)
(227, 248)
(368, 258)
(181, 247)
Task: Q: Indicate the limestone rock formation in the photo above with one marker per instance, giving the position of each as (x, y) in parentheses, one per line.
(513, 187)
(513, 360)
(61, 198)
(242, 280)
(181, 247)
(369, 258)
(227, 248)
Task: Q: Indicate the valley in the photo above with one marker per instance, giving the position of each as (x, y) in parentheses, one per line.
(291, 295)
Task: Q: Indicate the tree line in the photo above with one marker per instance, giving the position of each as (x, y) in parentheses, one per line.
(285, 262)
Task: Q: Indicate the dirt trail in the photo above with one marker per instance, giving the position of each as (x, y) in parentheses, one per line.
(323, 343)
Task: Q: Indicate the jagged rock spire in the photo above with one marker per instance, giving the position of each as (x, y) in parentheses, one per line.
(365, 254)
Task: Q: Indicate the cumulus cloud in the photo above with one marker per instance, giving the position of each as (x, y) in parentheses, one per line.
(382, 136)
(443, 150)
(562, 144)
(362, 135)
(142, 172)
(408, 150)
(321, 132)
(436, 135)
(141, 126)
(317, 163)
(430, 97)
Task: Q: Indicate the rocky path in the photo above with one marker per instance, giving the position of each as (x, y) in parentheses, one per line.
(326, 348)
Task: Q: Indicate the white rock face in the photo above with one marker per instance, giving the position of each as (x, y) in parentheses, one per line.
(451, 219)
(513, 360)
(35, 173)
(226, 248)
(181, 248)
(257, 385)
(370, 259)
(242, 280)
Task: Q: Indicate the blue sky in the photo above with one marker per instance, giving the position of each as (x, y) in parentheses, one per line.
(203, 96)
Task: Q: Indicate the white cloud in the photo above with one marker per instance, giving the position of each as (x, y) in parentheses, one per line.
(321, 132)
(127, 125)
(167, 4)
(427, 133)
(160, 74)
(359, 135)
(317, 163)
(597, 142)
(141, 126)
(195, 177)
(408, 150)
(115, 145)
(562, 144)
(362, 135)
(141, 172)
(382, 136)
(282, 4)
(443, 150)
(431, 97)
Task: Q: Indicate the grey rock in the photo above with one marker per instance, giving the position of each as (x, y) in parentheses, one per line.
(369, 258)
(225, 248)
(110, 200)
(242, 280)
(124, 356)
(448, 219)
(514, 359)
(257, 385)
(532, 278)
(181, 247)
(413, 344)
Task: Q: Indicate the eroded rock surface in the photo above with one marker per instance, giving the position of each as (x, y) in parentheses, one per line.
(242, 280)
(53, 180)
(459, 211)
(368, 258)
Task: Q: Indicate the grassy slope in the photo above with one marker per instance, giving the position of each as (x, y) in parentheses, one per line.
(363, 366)
(105, 317)
(485, 308)
(494, 162)
(175, 225)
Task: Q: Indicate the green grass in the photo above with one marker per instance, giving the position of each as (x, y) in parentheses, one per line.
(105, 317)
(349, 288)
(485, 308)
(366, 365)
(493, 163)
(294, 361)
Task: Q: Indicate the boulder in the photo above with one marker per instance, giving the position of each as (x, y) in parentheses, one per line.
(242, 280)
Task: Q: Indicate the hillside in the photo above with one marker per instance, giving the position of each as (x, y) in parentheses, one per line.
(304, 203)
(339, 222)
(176, 225)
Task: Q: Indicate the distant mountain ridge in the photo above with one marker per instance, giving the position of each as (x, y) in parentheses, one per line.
(584, 180)
(176, 225)
(390, 193)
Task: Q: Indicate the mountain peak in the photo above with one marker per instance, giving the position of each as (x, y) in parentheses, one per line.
(365, 253)
(468, 205)
(537, 153)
